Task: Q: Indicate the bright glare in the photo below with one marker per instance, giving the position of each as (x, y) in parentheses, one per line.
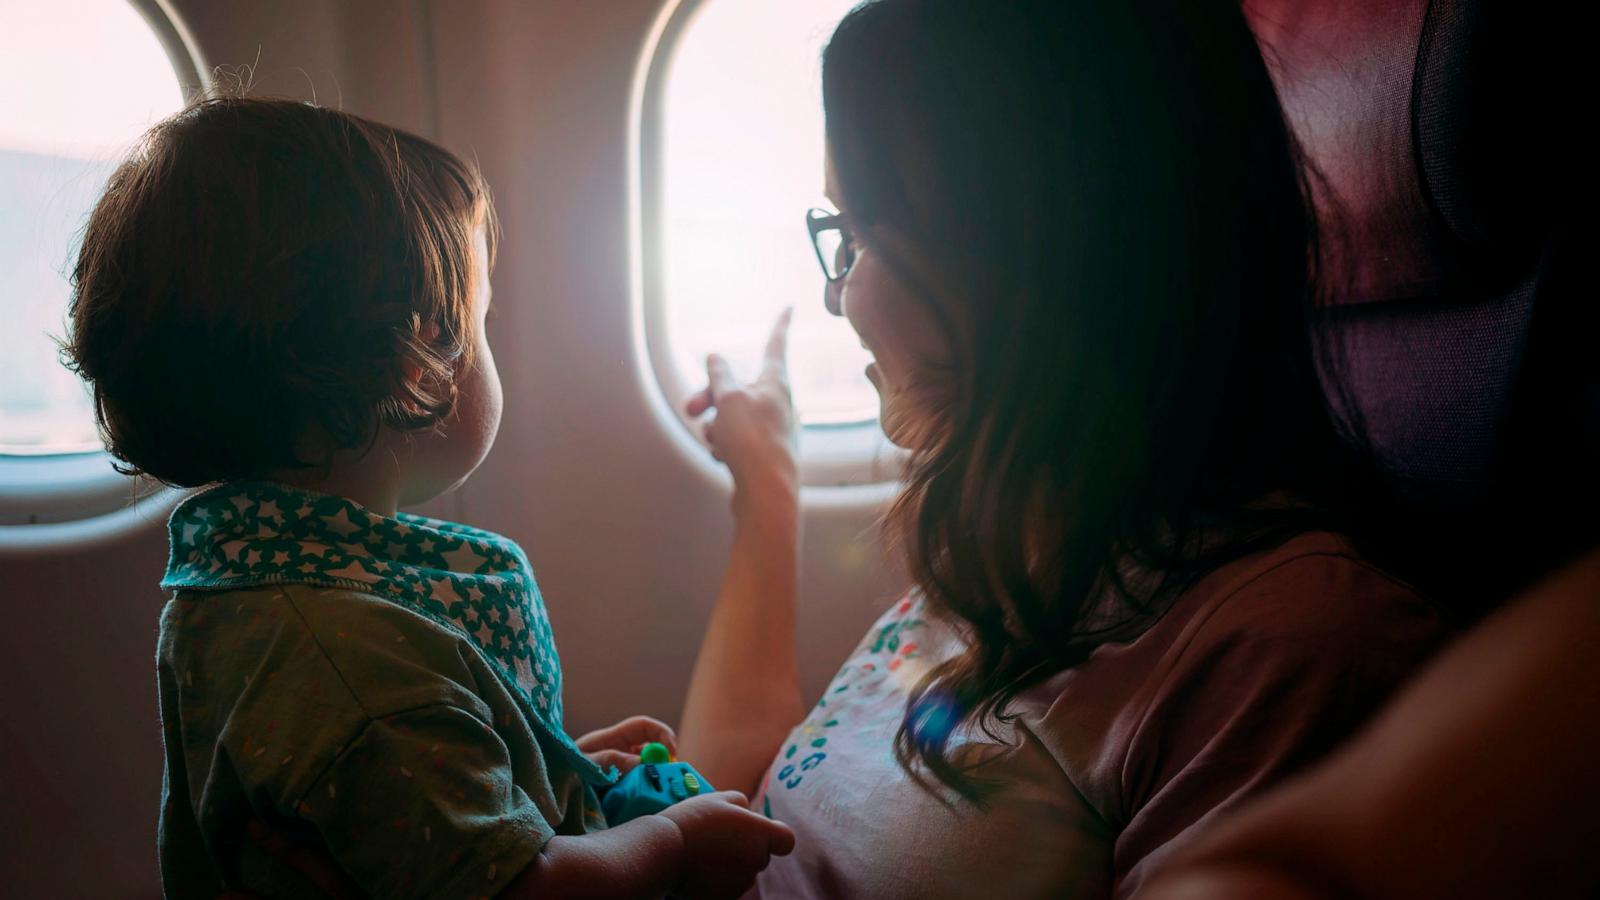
(79, 81)
(743, 145)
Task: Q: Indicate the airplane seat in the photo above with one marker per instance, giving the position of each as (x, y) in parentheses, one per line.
(1447, 201)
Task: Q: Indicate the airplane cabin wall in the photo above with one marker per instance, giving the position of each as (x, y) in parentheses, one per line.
(627, 536)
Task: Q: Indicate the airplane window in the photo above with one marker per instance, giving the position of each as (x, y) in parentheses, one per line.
(79, 81)
(742, 151)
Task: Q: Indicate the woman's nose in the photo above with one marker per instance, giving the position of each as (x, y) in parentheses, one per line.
(833, 297)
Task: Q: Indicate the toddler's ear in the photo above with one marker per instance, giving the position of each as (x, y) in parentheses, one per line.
(429, 332)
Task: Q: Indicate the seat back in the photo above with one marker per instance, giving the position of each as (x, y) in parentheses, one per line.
(1444, 182)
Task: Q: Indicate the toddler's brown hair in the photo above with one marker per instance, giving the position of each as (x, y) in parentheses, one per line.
(266, 282)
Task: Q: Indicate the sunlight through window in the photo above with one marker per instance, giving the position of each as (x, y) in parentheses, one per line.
(743, 150)
(79, 81)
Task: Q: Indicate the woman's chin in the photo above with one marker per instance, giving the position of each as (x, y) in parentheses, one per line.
(906, 417)
(895, 428)
(890, 418)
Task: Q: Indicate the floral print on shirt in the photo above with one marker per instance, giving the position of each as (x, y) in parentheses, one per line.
(883, 656)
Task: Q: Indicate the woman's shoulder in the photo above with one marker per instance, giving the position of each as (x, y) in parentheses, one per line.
(1309, 604)
(1314, 585)
(1267, 660)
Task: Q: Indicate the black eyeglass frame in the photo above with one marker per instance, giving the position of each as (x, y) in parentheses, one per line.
(820, 220)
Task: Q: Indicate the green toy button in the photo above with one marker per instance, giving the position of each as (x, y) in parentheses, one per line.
(653, 753)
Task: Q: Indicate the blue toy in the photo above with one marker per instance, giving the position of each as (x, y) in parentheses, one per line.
(654, 784)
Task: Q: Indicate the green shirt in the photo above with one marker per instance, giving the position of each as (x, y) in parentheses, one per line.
(351, 721)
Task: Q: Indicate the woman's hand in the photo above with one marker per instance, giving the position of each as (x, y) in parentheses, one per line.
(754, 432)
(619, 745)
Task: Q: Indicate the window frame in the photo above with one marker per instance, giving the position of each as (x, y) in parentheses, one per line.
(58, 499)
(855, 458)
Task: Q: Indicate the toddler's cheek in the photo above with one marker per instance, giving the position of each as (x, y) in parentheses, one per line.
(480, 407)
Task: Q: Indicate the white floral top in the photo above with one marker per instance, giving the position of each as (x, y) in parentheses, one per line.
(1109, 767)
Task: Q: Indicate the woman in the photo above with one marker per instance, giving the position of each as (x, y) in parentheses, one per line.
(1076, 237)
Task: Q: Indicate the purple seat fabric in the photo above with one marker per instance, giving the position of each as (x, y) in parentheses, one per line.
(1447, 191)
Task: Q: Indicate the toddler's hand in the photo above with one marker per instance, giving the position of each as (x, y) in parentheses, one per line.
(754, 431)
(619, 745)
(725, 845)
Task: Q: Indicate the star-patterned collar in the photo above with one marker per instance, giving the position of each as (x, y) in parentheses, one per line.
(474, 582)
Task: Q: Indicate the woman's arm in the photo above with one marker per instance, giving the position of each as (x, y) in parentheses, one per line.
(745, 693)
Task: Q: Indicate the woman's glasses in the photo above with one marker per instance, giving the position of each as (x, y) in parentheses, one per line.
(836, 249)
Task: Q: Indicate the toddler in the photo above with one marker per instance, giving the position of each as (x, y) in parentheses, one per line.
(286, 304)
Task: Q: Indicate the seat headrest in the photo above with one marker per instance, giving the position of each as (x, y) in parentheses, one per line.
(1425, 121)
(1446, 191)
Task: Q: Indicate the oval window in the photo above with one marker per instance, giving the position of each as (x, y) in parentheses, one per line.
(80, 80)
(741, 155)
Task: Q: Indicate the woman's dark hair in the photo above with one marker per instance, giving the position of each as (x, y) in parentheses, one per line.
(265, 282)
(1126, 221)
